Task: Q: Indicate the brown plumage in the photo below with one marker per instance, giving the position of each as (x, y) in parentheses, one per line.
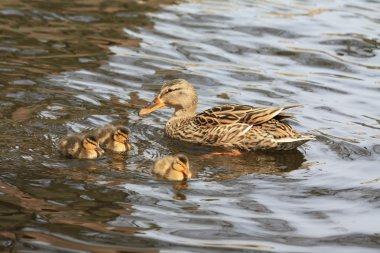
(231, 126)
(173, 167)
(113, 138)
(81, 146)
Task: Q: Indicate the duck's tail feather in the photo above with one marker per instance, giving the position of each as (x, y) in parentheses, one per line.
(287, 115)
(292, 143)
(291, 106)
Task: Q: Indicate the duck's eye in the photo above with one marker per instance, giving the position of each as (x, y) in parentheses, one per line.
(172, 89)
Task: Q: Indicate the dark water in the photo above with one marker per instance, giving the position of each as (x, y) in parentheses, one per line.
(68, 66)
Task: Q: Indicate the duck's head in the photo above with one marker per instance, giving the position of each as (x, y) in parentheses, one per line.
(91, 143)
(178, 94)
(121, 134)
(181, 164)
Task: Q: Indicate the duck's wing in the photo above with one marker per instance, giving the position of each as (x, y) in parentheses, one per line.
(235, 113)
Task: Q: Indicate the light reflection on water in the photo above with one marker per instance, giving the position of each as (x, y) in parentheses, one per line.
(321, 197)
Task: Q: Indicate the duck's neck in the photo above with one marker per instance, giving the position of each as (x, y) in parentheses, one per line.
(185, 112)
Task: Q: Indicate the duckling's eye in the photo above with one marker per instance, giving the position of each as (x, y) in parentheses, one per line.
(91, 142)
(121, 135)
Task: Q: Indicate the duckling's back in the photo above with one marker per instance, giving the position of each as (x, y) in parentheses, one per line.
(106, 139)
(164, 168)
(104, 133)
(70, 146)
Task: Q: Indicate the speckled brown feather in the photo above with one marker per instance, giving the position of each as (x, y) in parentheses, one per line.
(235, 113)
(237, 127)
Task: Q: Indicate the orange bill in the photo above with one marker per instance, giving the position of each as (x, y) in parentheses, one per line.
(156, 104)
(184, 168)
(187, 172)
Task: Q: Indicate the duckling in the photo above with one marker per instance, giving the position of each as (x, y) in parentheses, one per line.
(81, 146)
(114, 138)
(173, 167)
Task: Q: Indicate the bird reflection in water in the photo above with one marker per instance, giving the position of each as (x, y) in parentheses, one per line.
(259, 162)
(179, 187)
(221, 169)
(118, 162)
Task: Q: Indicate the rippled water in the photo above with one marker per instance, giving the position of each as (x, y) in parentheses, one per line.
(71, 67)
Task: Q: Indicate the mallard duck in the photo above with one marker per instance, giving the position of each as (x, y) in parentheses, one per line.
(81, 146)
(114, 138)
(230, 126)
(173, 167)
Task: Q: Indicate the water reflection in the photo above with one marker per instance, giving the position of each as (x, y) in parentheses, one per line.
(40, 38)
(87, 213)
(275, 163)
(321, 197)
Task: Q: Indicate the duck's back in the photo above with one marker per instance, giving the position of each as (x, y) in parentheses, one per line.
(238, 126)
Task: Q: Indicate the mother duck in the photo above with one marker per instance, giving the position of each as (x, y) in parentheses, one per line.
(230, 126)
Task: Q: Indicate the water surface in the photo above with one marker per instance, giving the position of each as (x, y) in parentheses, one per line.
(67, 68)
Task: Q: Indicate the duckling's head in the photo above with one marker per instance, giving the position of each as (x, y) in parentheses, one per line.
(121, 134)
(174, 167)
(91, 143)
(178, 94)
(181, 164)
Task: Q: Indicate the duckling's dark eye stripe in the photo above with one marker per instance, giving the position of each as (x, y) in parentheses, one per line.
(91, 142)
(123, 135)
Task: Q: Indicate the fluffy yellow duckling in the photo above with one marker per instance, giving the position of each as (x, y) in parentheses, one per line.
(81, 146)
(173, 167)
(114, 138)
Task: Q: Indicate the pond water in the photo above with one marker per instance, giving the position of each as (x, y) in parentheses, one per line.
(69, 67)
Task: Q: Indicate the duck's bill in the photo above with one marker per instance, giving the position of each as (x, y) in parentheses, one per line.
(154, 105)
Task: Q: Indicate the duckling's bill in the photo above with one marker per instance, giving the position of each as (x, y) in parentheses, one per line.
(154, 105)
(184, 168)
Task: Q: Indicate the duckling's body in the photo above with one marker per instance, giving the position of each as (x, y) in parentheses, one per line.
(231, 126)
(113, 138)
(173, 167)
(81, 147)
